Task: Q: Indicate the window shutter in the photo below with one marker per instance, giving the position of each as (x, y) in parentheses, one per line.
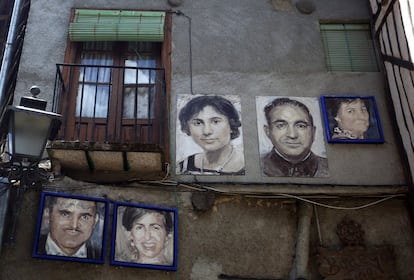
(115, 25)
(349, 47)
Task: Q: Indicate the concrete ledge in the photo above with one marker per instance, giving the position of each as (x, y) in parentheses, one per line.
(105, 163)
(314, 190)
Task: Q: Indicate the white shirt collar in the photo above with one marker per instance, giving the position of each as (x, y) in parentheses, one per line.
(53, 249)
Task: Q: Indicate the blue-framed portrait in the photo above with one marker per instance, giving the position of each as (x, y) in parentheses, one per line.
(71, 228)
(351, 119)
(144, 236)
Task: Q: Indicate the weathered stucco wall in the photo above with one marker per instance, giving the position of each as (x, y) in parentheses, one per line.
(250, 49)
(236, 237)
(244, 236)
(240, 48)
(245, 48)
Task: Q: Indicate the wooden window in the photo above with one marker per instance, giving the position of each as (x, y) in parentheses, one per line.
(116, 91)
(348, 47)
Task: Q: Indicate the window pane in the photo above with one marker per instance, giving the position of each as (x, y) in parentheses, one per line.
(140, 47)
(98, 46)
(138, 103)
(92, 101)
(96, 74)
(95, 80)
(139, 89)
(140, 76)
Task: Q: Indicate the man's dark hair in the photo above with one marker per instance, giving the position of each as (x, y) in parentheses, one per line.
(282, 102)
(51, 201)
(220, 104)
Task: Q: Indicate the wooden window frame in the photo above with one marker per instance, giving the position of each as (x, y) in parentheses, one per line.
(72, 54)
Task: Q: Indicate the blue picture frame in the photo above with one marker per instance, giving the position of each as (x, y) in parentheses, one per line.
(134, 222)
(67, 221)
(340, 128)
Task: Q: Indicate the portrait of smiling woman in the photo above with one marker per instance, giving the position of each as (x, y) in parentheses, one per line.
(213, 124)
(351, 119)
(148, 232)
(144, 236)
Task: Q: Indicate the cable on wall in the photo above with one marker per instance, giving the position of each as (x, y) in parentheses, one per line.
(265, 195)
(278, 195)
(180, 13)
(318, 225)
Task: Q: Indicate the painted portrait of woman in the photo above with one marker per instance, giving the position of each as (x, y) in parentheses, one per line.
(351, 119)
(144, 236)
(209, 136)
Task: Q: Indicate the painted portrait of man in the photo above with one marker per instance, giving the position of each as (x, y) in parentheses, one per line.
(291, 142)
(71, 227)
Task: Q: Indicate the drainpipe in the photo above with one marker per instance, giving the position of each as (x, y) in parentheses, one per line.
(4, 73)
(8, 53)
(300, 265)
(4, 198)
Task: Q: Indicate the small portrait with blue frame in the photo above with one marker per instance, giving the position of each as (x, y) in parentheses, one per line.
(351, 119)
(144, 236)
(71, 228)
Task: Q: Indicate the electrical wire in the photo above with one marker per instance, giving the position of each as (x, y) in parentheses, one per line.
(278, 195)
(265, 195)
(388, 197)
(180, 13)
(318, 225)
